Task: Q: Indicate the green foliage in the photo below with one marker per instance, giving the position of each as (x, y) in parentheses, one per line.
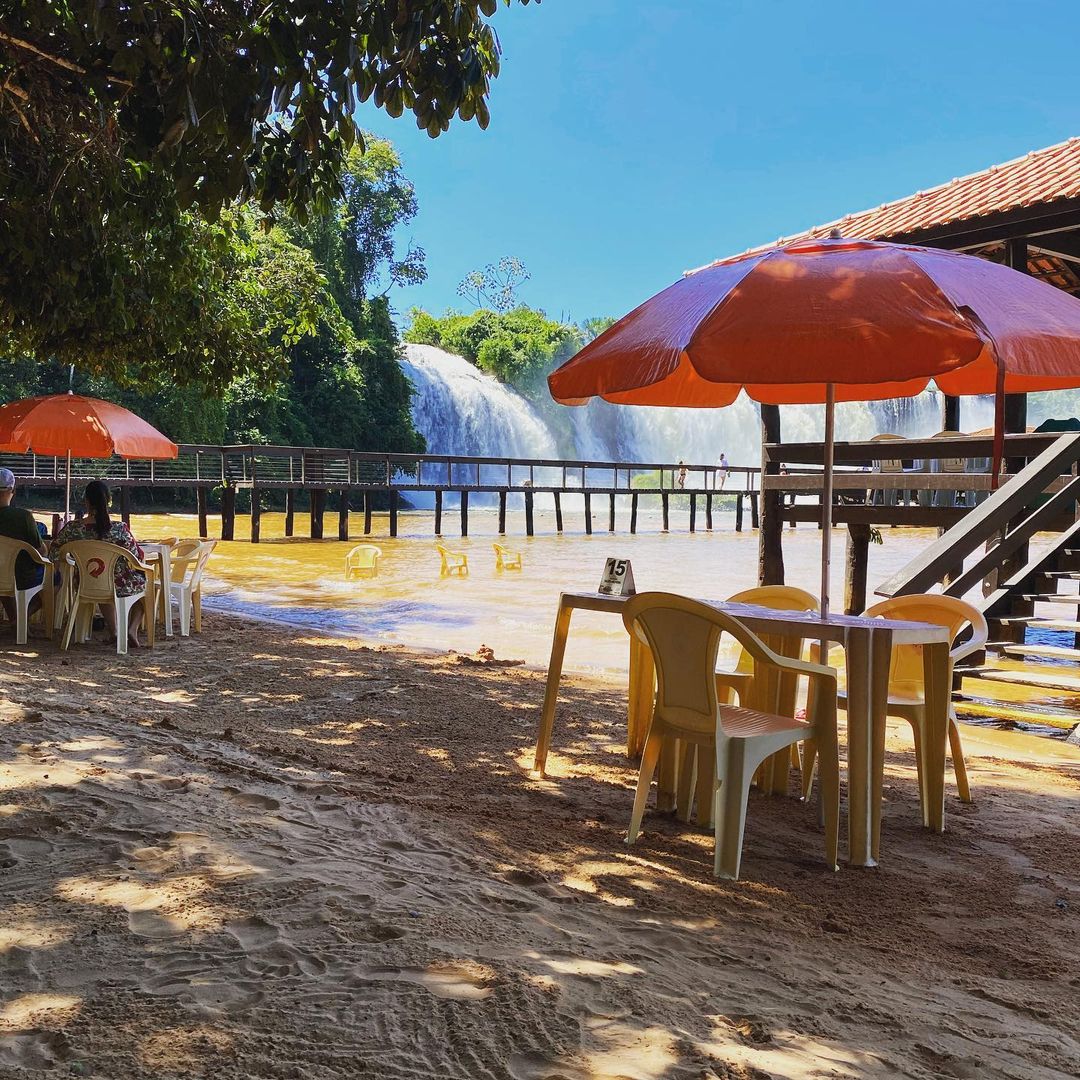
(518, 347)
(496, 285)
(117, 119)
(592, 328)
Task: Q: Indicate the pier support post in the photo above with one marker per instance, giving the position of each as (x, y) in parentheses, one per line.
(588, 514)
(200, 499)
(290, 512)
(771, 535)
(752, 496)
(611, 513)
(665, 508)
(256, 515)
(558, 513)
(693, 512)
(633, 513)
(438, 512)
(856, 556)
(502, 511)
(343, 514)
(228, 512)
(529, 531)
(125, 505)
(393, 512)
(318, 509)
(367, 513)
(738, 511)
(464, 513)
(708, 511)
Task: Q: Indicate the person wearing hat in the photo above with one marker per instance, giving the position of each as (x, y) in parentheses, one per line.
(19, 524)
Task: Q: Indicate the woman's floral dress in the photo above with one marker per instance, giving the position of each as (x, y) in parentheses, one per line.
(128, 582)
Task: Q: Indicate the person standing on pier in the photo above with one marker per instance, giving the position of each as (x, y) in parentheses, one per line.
(721, 472)
(682, 474)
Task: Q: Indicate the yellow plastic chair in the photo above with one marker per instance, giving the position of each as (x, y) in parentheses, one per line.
(505, 559)
(10, 550)
(890, 496)
(906, 691)
(452, 562)
(362, 562)
(684, 636)
(95, 562)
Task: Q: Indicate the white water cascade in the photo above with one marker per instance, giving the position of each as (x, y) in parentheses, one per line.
(460, 410)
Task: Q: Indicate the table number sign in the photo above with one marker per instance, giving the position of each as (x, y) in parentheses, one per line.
(618, 579)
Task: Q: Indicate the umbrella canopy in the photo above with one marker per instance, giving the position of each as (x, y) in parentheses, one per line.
(834, 320)
(70, 424)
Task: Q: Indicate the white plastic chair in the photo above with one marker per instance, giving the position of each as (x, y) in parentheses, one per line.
(362, 562)
(95, 563)
(185, 588)
(683, 636)
(10, 550)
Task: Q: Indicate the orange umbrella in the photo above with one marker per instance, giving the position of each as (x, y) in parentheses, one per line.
(73, 425)
(834, 320)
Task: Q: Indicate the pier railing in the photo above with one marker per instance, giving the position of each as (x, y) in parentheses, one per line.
(295, 467)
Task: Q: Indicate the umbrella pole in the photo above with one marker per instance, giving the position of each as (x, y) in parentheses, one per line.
(67, 496)
(827, 495)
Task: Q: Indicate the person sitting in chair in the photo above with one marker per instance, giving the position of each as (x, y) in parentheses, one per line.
(97, 525)
(19, 524)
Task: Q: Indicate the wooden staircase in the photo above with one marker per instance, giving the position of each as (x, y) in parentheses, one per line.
(1021, 550)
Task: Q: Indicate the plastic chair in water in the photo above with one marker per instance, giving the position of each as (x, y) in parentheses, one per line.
(95, 563)
(505, 559)
(452, 562)
(185, 587)
(362, 562)
(684, 636)
(906, 691)
(10, 550)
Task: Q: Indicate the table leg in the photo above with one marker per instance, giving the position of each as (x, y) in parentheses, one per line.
(163, 590)
(639, 706)
(859, 747)
(880, 666)
(48, 602)
(937, 690)
(149, 614)
(551, 690)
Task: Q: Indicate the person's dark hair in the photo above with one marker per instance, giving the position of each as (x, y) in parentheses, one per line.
(97, 495)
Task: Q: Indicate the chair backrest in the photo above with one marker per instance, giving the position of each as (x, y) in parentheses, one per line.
(953, 464)
(938, 610)
(777, 597)
(10, 550)
(96, 563)
(189, 545)
(363, 557)
(206, 549)
(683, 636)
(893, 464)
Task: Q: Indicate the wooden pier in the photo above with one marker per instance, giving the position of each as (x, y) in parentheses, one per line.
(364, 482)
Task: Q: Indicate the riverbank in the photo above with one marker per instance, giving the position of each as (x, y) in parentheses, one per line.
(266, 853)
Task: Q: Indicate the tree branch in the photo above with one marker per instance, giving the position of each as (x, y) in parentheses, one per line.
(59, 61)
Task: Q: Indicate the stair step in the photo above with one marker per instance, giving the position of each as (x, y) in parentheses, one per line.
(1051, 598)
(1040, 623)
(994, 710)
(1041, 680)
(1050, 652)
(1070, 575)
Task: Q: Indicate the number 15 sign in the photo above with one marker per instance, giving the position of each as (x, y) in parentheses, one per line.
(618, 579)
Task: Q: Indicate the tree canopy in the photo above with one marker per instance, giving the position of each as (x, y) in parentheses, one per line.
(128, 129)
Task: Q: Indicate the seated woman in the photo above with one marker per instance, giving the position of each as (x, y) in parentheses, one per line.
(97, 525)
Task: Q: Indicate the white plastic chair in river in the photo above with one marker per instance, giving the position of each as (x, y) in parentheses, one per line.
(10, 550)
(95, 563)
(683, 636)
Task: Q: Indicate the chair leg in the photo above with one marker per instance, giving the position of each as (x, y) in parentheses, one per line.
(920, 764)
(706, 784)
(686, 784)
(185, 613)
(650, 756)
(69, 628)
(959, 765)
(733, 773)
(22, 616)
(121, 608)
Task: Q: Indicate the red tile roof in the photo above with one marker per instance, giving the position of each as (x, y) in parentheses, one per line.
(1043, 176)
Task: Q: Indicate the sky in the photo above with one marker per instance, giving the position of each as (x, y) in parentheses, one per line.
(631, 140)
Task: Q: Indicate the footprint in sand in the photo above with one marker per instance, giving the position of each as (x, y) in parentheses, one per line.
(449, 981)
(253, 932)
(148, 923)
(252, 799)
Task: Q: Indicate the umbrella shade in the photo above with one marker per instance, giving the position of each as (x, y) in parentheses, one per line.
(63, 424)
(876, 320)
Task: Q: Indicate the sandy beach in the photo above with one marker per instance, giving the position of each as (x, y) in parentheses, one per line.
(259, 853)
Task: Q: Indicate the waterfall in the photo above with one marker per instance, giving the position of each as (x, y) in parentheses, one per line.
(460, 410)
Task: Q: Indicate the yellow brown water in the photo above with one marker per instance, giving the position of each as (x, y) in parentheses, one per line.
(303, 582)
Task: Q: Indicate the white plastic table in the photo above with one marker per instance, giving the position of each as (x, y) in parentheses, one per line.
(162, 553)
(867, 645)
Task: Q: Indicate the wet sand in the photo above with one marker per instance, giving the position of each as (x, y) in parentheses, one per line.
(258, 853)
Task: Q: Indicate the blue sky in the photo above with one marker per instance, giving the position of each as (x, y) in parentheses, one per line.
(632, 139)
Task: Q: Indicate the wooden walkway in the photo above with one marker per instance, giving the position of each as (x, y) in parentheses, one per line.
(367, 482)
